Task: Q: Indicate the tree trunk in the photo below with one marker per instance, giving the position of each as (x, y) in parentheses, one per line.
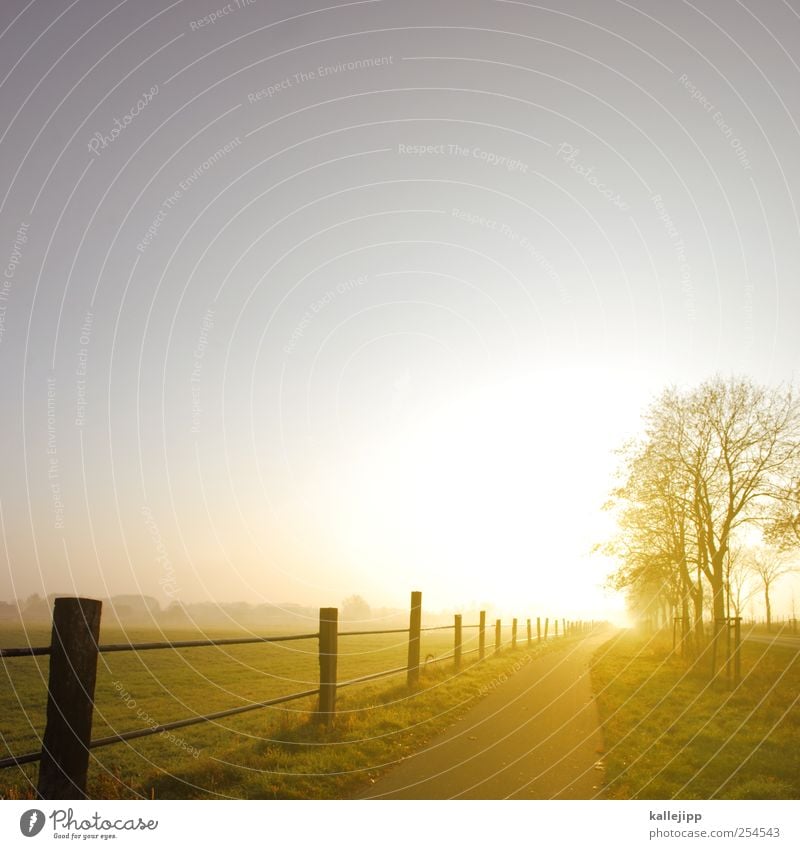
(768, 607)
(718, 609)
(684, 624)
(699, 633)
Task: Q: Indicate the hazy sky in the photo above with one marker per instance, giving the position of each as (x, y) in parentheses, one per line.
(300, 300)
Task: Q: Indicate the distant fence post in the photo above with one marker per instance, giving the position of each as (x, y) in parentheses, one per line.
(482, 635)
(414, 633)
(513, 633)
(328, 658)
(737, 657)
(457, 645)
(556, 624)
(529, 633)
(70, 698)
(538, 629)
(546, 626)
(497, 628)
(715, 639)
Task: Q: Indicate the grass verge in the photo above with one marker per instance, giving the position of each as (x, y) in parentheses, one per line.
(671, 734)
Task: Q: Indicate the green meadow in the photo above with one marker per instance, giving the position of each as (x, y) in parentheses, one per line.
(275, 752)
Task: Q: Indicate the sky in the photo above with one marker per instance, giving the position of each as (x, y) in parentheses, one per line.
(301, 300)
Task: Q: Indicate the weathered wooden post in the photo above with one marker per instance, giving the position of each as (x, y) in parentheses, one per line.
(728, 647)
(497, 636)
(457, 646)
(737, 664)
(513, 633)
(538, 629)
(70, 698)
(482, 635)
(546, 626)
(529, 633)
(328, 662)
(556, 631)
(414, 633)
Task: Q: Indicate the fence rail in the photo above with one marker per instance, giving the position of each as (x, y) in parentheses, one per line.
(74, 649)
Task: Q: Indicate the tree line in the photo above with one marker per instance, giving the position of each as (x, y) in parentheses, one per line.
(708, 498)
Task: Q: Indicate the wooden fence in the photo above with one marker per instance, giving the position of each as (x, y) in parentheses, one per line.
(74, 649)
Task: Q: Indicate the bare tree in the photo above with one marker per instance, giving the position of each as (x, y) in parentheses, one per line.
(769, 564)
(712, 460)
(738, 578)
(783, 529)
(355, 609)
(735, 444)
(655, 539)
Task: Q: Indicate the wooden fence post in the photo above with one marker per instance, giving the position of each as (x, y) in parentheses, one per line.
(414, 633)
(556, 631)
(538, 629)
(529, 633)
(328, 661)
(497, 636)
(482, 635)
(70, 698)
(737, 662)
(715, 640)
(513, 633)
(546, 626)
(457, 643)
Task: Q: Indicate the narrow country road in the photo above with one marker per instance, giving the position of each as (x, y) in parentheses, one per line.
(535, 736)
(787, 640)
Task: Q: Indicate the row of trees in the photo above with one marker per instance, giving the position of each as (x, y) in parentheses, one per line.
(716, 471)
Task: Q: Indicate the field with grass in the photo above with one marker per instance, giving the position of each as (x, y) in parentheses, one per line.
(670, 733)
(275, 752)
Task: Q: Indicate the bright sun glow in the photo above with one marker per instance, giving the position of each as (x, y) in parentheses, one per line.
(497, 497)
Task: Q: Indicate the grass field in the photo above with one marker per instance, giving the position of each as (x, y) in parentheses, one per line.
(669, 733)
(276, 752)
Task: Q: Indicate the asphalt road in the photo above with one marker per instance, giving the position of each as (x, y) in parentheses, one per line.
(774, 640)
(535, 736)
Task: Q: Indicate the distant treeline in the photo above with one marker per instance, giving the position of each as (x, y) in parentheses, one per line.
(129, 610)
